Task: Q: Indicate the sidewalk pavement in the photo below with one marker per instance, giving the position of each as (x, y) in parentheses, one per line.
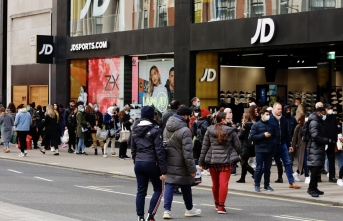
(9, 212)
(114, 166)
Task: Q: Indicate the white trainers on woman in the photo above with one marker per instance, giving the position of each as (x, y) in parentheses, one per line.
(193, 212)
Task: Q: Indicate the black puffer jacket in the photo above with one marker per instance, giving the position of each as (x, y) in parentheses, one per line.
(316, 145)
(179, 152)
(214, 153)
(146, 144)
(243, 135)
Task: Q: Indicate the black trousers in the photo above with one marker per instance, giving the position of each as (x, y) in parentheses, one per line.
(122, 149)
(340, 176)
(246, 168)
(279, 168)
(314, 177)
(196, 151)
(330, 153)
(34, 134)
(22, 139)
(72, 137)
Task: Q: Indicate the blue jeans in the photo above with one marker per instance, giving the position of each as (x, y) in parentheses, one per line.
(186, 193)
(281, 152)
(263, 164)
(146, 171)
(7, 143)
(340, 159)
(81, 145)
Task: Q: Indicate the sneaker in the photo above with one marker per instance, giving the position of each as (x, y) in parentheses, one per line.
(257, 189)
(268, 188)
(150, 218)
(52, 149)
(64, 145)
(21, 155)
(327, 175)
(105, 155)
(166, 214)
(340, 182)
(25, 153)
(141, 218)
(193, 212)
(296, 176)
(84, 153)
(121, 158)
(279, 180)
(113, 154)
(205, 173)
(307, 180)
(294, 186)
(335, 102)
(221, 209)
(127, 157)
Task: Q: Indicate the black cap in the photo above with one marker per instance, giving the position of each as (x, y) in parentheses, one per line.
(328, 106)
(183, 111)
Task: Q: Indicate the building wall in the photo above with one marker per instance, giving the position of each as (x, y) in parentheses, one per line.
(25, 19)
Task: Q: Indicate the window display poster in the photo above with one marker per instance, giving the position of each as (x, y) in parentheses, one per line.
(104, 82)
(135, 79)
(78, 77)
(156, 83)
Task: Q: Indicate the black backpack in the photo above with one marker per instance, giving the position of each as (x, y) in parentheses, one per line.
(199, 134)
(305, 132)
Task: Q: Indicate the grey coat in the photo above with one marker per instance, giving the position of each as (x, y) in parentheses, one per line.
(6, 128)
(180, 162)
(214, 153)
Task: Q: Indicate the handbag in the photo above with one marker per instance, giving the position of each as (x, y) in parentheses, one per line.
(14, 138)
(124, 134)
(111, 132)
(65, 137)
(101, 134)
(339, 143)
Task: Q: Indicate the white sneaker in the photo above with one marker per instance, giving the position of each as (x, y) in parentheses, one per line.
(307, 180)
(193, 212)
(25, 153)
(327, 175)
(340, 182)
(205, 173)
(253, 165)
(105, 155)
(21, 155)
(52, 149)
(296, 176)
(166, 214)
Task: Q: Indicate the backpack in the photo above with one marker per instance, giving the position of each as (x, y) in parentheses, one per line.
(199, 134)
(305, 132)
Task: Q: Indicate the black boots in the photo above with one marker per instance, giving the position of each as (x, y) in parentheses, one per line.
(96, 152)
(279, 180)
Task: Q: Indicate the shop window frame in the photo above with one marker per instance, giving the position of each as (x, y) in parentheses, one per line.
(162, 5)
(253, 4)
(321, 4)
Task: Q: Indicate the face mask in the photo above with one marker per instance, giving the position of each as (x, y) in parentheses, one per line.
(196, 114)
(266, 118)
(296, 104)
(28, 109)
(288, 114)
(324, 117)
(330, 112)
(126, 112)
(198, 104)
(82, 110)
(96, 109)
(306, 119)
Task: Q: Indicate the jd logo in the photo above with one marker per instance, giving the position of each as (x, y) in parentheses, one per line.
(109, 82)
(261, 30)
(47, 49)
(97, 10)
(209, 75)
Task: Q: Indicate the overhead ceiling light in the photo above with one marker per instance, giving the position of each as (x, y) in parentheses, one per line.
(252, 54)
(298, 61)
(228, 66)
(303, 61)
(278, 55)
(311, 67)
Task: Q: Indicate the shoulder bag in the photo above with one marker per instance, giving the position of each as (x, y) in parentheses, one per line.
(124, 134)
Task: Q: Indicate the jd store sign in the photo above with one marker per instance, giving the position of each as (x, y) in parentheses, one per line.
(97, 10)
(209, 75)
(263, 24)
(45, 49)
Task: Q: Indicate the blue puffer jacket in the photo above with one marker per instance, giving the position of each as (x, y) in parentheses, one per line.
(262, 143)
(147, 144)
(283, 128)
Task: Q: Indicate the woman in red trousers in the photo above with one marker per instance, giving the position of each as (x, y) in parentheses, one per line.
(220, 151)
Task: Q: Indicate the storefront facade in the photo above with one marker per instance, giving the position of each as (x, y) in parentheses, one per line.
(208, 48)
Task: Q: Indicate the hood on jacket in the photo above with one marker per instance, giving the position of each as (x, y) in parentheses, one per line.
(284, 110)
(175, 122)
(142, 128)
(314, 117)
(22, 110)
(212, 130)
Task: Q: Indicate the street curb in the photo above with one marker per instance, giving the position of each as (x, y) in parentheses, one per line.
(253, 194)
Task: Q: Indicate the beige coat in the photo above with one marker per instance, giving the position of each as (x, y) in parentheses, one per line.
(299, 112)
(299, 145)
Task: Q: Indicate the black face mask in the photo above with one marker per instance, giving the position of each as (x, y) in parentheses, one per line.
(288, 114)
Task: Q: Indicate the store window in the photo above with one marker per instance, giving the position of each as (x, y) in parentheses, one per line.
(162, 13)
(256, 8)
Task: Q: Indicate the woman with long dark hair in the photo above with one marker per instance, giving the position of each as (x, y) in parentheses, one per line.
(125, 123)
(248, 149)
(71, 125)
(11, 110)
(220, 151)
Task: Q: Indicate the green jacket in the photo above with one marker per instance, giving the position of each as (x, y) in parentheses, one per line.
(80, 121)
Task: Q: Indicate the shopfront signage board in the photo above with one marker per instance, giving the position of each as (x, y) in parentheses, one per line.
(45, 49)
(260, 33)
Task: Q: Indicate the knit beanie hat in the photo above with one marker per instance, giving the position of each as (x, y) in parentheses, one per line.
(148, 112)
(183, 110)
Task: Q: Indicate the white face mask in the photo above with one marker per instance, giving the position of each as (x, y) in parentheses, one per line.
(306, 119)
(196, 114)
(330, 111)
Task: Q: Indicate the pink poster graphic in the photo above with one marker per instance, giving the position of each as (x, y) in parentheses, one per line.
(104, 82)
